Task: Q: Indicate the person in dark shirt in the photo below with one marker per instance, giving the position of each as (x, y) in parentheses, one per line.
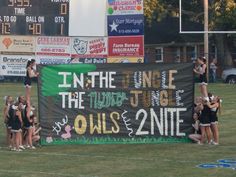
(30, 73)
(196, 136)
(201, 70)
(17, 124)
(214, 106)
(205, 122)
(8, 120)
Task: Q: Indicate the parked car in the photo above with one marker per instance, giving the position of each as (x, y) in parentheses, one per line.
(1, 78)
(229, 76)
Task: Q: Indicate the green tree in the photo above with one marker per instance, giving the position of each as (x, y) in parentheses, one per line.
(222, 15)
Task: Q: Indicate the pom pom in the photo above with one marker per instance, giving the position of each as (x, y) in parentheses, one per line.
(5, 98)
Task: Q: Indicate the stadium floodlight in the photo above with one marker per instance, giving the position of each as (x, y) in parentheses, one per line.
(197, 32)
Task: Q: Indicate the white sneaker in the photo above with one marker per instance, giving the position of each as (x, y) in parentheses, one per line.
(22, 147)
(13, 149)
(214, 143)
(211, 142)
(32, 147)
(199, 143)
(27, 147)
(19, 150)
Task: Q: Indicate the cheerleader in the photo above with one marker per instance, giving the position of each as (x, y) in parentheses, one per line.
(21, 99)
(201, 70)
(214, 106)
(28, 119)
(205, 122)
(8, 120)
(16, 126)
(196, 137)
(30, 73)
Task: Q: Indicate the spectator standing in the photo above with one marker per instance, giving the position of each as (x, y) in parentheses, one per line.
(213, 69)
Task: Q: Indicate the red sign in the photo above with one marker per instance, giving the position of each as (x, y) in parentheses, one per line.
(126, 46)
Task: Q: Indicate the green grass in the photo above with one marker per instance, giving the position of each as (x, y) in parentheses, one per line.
(136, 160)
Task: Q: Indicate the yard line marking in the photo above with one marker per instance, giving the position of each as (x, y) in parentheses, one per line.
(96, 156)
(36, 172)
(118, 156)
(73, 155)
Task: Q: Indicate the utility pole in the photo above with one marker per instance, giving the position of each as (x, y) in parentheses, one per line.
(206, 37)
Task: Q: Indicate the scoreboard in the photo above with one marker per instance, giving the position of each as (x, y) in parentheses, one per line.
(34, 17)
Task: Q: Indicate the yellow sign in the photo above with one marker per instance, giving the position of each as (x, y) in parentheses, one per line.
(126, 60)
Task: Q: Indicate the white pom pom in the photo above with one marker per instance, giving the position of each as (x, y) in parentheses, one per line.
(5, 98)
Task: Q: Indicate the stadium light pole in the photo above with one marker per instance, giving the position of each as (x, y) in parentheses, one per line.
(206, 35)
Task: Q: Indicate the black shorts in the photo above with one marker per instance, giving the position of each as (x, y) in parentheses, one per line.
(205, 121)
(16, 126)
(27, 82)
(213, 119)
(202, 79)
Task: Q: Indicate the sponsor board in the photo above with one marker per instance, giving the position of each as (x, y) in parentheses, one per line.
(132, 46)
(89, 47)
(88, 60)
(123, 7)
(13, 65)
(49, 60)
(126, 60)
(125, 25)
(17, 44)
(53, 46)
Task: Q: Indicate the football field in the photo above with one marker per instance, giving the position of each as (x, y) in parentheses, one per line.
(138, 160)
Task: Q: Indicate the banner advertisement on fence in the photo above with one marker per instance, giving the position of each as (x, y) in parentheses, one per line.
(89, 47)
(125, 25)
(53, 46)
(123, 7)
(13, 65)
(128, 46)
(17, 44)
(115, 103)
(50, 60)
(89, 60)
(126, 60)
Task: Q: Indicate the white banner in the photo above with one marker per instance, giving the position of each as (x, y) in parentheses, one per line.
(53, 46)
(13, 65)
(49, 60)
(89, 47)
(87, 18)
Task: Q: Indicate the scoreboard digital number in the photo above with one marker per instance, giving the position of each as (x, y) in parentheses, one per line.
(34, 17)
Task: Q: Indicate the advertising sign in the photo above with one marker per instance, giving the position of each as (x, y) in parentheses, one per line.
(131, 46)
(125, 25)
(53, 46)
(126, 60)
(124, 7)
(89, 47)
(13, 65)
(17, 44)
(89, 60)
(49, 60)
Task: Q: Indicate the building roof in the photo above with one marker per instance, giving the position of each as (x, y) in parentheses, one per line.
(167, 32)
